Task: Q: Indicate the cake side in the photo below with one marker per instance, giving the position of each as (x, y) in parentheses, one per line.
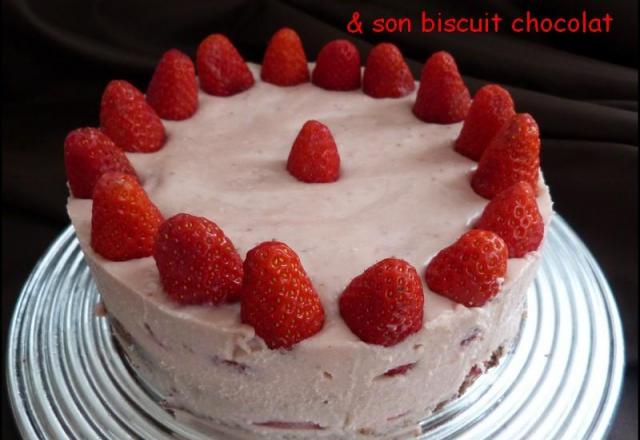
(337, 386)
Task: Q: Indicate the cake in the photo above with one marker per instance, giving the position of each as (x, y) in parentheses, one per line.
(399, 196)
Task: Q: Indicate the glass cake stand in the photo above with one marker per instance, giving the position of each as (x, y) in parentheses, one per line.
(66, 379)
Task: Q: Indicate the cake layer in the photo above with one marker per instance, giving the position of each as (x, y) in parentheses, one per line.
(403, 192)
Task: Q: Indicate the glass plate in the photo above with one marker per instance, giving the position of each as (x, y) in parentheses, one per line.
(67, 379)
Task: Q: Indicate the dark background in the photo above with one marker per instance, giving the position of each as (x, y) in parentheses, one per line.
(57, 56)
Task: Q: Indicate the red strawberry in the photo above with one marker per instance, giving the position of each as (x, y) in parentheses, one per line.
(442, 96)
(491, 108)
(88, 154)
(173, 89)
(278, 299)
(196, 261)
(337, 66)
(128, 120)
(386, 75)
(513, 214)
(512, 156)
(314, 156)
(124, 221)
(469, 271)
(385, 303)
(285, 63)
(402, 369)
(221, 69)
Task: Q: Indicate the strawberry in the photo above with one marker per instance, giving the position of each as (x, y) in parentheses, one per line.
(385, 303)
(512, 156)
(402, 369)
(469, 271)
(128, 120)
(314, 155)
(278, 299)
(442, 97)
(88, 154)
(285, 63)
(513, 214)
(196, 261)
(386, 75)
(124, 221)
(173, 89)
(491, 108)
(221, 69)
(337, 66)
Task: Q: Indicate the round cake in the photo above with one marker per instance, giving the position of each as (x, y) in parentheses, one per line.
(403, 192)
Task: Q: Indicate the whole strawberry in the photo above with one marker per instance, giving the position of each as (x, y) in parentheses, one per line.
(512, 156)
(173, 89)
(124, 222)
(442, 97)
(127, 118)
(385, 303)
(386, 74)
(278, 299)
(337, 66)
(88, 154)
(492, 107)
(196, 261)
(221, 69)
(285, 63)
(471, 270)
(513, 214)
(314, 156)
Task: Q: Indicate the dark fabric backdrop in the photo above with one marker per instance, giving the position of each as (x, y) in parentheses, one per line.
(582, 89)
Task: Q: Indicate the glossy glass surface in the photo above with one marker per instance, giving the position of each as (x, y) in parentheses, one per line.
(562, 380)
